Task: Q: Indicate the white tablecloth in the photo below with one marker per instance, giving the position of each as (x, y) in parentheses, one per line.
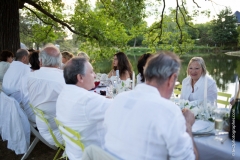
(210, 149)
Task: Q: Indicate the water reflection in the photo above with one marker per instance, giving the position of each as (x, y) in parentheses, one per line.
(221, 67)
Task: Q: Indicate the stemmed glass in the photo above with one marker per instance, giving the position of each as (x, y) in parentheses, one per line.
(111, 89)
(211, 107)
(218, 123)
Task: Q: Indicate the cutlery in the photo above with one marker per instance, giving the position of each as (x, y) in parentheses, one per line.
(209, 134)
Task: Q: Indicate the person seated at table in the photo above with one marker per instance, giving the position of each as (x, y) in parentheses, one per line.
(144, 124)
(34, 61)
(83, 55)
(44, 86)
(194, 84)
(66, 56)
(80, 109)
(140, 66)
(6, 58)
(15, 82)
(121, 63)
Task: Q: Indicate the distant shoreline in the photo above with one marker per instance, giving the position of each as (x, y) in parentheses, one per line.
(235, 53)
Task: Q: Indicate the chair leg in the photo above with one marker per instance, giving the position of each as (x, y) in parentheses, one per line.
(35, 141)
(55, 157)
(37, 134)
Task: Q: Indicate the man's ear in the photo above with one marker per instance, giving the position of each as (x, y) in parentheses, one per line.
(79, 78)
(23, 59)
(172, 79)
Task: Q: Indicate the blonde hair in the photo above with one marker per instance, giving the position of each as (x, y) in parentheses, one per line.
(67, 55)
(201, 62)
(83, 55)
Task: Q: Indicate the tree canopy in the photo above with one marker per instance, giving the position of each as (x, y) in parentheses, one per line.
(100, 30)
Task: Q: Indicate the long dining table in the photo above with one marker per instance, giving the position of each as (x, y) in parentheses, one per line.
(208, 148)
(211, 149)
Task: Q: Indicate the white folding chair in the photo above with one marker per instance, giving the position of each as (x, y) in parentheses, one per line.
(17, 112)
(38, 137)
(15, 127)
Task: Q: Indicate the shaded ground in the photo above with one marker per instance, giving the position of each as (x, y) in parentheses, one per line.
(40, 152)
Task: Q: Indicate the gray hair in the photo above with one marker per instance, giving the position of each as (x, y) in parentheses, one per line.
(49, 60)
(21, 53)
(74, 67)
(161, 66)
(200, 62)
(83, 54)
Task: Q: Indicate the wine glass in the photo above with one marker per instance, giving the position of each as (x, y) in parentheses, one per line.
(109, 88)
(218, 123)
(211, 107)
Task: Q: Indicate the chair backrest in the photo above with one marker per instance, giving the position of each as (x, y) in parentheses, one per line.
(177, 90)
(71, 134)
(44, 118)
(15, 127)
(223, 98)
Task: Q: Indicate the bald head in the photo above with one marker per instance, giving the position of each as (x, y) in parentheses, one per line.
(22, 55)
(52, 51)
(50, 56)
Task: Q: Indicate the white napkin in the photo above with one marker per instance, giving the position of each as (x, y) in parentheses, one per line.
(200, 125)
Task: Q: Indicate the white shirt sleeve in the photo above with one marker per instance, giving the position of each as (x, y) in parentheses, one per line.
(212, 92)
(179, 143)
(96, 107)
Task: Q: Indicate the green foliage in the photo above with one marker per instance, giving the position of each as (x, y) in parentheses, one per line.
(224, 30)
(114, 25)
(205, 36)
(102, 31)
(36, 27)
(238, 30)
(170, 37)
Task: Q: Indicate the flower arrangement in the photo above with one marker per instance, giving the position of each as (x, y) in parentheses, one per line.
(197, 108)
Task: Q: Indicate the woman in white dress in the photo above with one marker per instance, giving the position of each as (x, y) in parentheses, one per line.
(194, 84)
(140, 66)
(6, 57)
(121, 63)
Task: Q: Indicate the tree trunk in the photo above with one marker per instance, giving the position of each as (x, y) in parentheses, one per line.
(9, 25)
(134, 45)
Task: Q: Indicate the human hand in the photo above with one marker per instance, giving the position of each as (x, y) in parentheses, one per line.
(189, 116)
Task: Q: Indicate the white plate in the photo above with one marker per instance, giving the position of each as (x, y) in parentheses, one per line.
(201, 126)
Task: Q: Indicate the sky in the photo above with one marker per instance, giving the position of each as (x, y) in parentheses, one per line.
(215, 6)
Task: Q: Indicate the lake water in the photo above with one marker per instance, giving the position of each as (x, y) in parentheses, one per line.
(220, 67)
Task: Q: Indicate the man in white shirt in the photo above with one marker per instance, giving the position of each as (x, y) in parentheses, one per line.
(143, 124)
(44, 86)
(80, 109)
(15, 81)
